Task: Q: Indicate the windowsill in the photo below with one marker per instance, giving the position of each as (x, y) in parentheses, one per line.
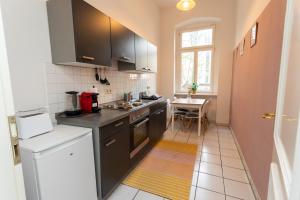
(210, 94)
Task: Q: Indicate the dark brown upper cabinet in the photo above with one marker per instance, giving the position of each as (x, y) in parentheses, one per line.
(141, 53)
(122, 42)
(79, 34)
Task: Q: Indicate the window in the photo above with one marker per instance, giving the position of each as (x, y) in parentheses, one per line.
(195, 49)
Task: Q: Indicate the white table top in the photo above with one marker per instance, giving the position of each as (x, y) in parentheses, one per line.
(188, 101)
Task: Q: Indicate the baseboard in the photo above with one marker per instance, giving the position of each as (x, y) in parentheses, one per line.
(222, 124)
(254, 189)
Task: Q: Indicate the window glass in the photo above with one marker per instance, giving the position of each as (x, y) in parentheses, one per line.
(187, 69)
(197, 38)
(204, 67)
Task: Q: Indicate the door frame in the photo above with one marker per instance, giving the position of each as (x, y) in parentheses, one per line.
(291, 178)
(11, 182)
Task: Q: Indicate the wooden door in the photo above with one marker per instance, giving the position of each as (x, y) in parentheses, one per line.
(122, 41)
(92, 34)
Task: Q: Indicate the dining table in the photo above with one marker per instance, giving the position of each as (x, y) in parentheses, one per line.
(188, 103)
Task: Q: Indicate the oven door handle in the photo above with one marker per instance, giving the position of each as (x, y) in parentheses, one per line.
(141, 123)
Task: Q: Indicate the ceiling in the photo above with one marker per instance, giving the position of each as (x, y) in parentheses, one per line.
(166, 3)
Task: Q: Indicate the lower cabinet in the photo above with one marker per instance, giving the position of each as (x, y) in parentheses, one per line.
(157, 126)
(114, 159)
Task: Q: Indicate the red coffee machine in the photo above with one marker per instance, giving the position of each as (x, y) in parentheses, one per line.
(89, 102)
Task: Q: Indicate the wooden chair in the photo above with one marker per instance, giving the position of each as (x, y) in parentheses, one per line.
(179, 113)
(194, 115)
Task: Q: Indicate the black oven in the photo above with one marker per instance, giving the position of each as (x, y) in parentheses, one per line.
(139, 131)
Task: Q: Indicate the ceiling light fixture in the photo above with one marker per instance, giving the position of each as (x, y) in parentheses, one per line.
(185, 5)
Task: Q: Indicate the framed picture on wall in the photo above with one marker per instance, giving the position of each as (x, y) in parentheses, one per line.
(241, 47)
(253, 37)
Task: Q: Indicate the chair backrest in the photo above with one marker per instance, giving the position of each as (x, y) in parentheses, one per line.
(204, 108)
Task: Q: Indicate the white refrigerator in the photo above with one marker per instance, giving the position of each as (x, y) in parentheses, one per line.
(59, 165)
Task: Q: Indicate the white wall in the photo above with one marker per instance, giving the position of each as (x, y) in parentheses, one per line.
(205, 11)
(247, 12)
(62, 78)
(28, 43)
(141, 16)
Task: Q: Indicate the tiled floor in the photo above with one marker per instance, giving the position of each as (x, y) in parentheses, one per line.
(219, 173)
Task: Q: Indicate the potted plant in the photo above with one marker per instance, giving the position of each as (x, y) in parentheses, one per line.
(194, 88)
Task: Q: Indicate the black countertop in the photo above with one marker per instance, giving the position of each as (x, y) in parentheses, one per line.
(103, 118)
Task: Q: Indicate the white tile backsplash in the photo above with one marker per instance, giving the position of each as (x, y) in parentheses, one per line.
(66, 78)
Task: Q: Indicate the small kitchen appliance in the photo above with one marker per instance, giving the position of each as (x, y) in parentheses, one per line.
(73, 111)
(53, 165)
(89, 102)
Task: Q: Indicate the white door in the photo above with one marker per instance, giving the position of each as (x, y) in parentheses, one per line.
(11, 181)
(285, 177)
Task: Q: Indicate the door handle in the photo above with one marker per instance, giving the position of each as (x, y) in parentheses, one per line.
(141, 123)
(119, 124)
(269, 116)
(124, 58)
(87, 58)
(110, 142)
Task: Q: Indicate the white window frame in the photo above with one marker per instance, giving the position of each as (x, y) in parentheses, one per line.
(195, 49)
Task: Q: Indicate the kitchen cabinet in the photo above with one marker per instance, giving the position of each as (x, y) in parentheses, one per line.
(152, 57)
(79, 34)
(122, 41)
(114, 154)
(158, 120)
(141, 53)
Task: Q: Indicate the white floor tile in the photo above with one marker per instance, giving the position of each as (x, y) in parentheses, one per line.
(211, 137)
(211, 143)
(123, 192)
(192, 193)
(232, 162)
(195, 178)
(235, 174)
(194, 141)
(226, 139)
(211, 133)
(230, 153)
(147, 196)
(223, 128)
(210, 182)
(211, 169)
(202, 194)
(231, 198)
(211, 158)
(197, 165)
(211, 150)
(183, 139)
(228, 146)
(198, 155)
(237, 189)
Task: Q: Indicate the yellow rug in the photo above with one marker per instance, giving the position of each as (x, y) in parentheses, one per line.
(166, 171)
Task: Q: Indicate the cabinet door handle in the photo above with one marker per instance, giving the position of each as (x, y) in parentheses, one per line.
(87, 58)
(110, 142)
(124, 58)
(141, 123)
(119, 124)
(158, 113)
(144, 68)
